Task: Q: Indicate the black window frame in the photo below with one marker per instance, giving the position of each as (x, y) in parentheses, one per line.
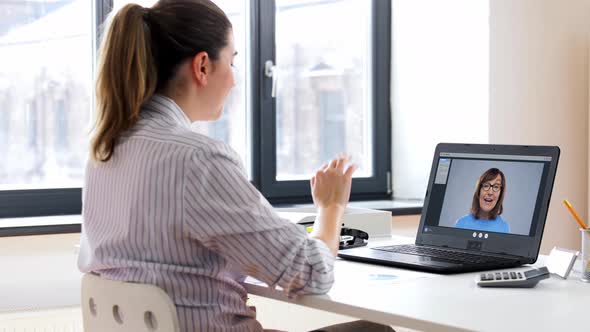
(68, 201)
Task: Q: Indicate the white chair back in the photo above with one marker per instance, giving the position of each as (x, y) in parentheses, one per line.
(109, 305)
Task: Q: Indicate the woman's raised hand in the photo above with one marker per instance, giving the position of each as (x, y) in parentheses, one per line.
(330, 186)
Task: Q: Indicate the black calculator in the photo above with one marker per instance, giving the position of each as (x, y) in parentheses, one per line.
(526, 279)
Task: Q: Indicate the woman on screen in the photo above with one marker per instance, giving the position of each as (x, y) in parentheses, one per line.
(486, 206)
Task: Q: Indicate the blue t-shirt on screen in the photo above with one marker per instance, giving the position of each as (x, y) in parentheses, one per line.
(493, 225)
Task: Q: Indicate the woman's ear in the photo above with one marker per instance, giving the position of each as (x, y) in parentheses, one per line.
(201, 68)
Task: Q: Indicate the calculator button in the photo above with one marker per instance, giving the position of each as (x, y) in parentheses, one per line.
(498, 276)
(512, 275)
(505, 275)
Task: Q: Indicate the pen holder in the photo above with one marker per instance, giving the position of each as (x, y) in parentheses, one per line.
(585, 254)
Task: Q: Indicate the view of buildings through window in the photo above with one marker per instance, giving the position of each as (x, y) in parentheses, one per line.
(323, 88)
(46, 87)
(45, 92)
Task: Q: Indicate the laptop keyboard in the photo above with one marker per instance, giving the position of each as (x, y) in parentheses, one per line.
(442, 253)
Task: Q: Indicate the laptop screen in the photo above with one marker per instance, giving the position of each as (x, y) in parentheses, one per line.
(490, 201)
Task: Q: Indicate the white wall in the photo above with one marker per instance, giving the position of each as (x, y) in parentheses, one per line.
(539, 95)
(439, 84)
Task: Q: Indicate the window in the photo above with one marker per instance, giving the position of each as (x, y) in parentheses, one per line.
(331, 95)
(45, 98)
(325, 89)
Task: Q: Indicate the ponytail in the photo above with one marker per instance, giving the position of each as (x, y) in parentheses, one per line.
(127, 77)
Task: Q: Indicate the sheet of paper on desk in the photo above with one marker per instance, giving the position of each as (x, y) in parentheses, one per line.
(368, 275)
(382, 277)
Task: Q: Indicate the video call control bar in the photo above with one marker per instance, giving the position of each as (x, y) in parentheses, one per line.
(494, 156)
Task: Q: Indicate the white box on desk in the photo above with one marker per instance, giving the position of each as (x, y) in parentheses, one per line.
(375, 222)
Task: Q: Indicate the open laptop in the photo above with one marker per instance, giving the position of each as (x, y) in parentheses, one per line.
(450, 237)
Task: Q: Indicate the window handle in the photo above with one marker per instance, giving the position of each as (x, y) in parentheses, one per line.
(270, 70)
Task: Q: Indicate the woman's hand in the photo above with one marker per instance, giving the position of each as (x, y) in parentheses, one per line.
(330, 189)
(330, 186)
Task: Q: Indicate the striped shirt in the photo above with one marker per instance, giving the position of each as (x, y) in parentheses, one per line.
(174, 208)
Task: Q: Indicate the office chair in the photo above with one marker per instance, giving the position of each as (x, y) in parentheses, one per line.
(109, 305)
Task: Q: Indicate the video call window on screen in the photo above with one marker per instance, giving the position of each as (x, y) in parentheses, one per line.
(489, 195)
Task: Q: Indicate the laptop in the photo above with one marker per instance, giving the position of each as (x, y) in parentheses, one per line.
(485, 208)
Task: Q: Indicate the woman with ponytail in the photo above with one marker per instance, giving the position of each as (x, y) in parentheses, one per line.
(165, 205)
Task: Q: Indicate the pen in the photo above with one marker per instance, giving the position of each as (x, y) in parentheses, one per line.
(570, 207)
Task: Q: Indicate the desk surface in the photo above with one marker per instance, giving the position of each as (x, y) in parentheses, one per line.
(432, 302)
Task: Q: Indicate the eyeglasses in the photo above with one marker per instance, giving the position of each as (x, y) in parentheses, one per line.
(487, 186)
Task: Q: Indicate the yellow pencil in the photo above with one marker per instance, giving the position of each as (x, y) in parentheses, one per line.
(571, 208)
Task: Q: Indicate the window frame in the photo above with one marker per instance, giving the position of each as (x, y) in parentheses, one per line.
(68, 201)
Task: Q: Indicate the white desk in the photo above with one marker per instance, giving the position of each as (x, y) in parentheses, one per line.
(431, 302)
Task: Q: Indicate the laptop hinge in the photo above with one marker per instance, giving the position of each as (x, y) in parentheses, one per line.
(524, 259)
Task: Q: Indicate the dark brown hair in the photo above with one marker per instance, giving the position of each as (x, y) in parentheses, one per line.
(140, 54)
(488, 175)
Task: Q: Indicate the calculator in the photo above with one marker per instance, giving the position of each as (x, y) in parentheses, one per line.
(526, 279)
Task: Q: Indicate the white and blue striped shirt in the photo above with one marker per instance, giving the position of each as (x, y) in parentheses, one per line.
(174, 208)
